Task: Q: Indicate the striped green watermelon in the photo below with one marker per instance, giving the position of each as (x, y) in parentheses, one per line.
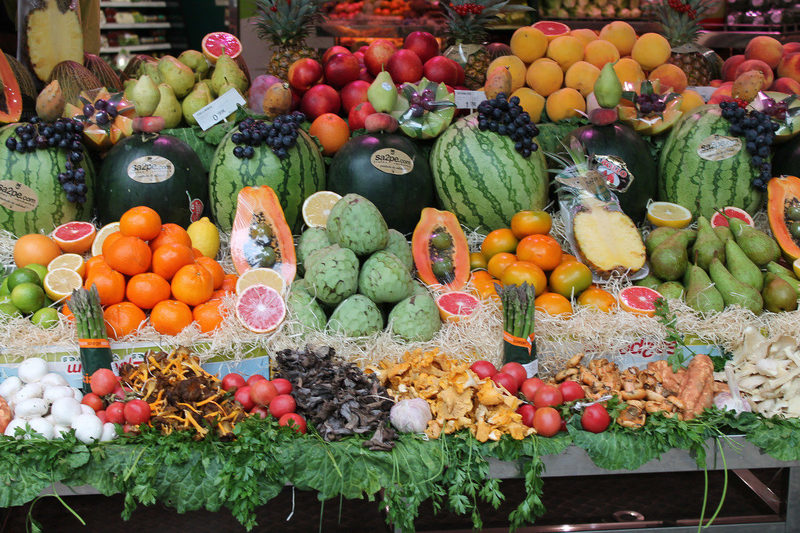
(482, 179)
(697, 183)
(31, 199)
(293, 179)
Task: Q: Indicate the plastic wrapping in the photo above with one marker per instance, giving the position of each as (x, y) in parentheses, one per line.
(425, 110)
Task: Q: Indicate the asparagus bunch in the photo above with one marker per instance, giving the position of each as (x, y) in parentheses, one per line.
(518, 309)
(85, 305)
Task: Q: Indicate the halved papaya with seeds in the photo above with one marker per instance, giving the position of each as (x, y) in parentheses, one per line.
(441, 253)
(10, 95)
(260, 237)
(783, 211)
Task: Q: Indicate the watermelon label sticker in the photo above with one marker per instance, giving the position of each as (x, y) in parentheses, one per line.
(719, 147)
(392, 161)
(150, 169)
(17, 196)
(615, 171)
(196, 209)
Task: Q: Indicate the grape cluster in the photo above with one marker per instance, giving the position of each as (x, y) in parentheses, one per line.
(65, 134)
(280, 135)
(104, 112)
(776, 109)
(467, 9)
(758, 131)
(421, 102)
(650, 103)
(506, 117)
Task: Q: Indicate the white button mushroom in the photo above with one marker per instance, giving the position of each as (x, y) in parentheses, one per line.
(88, 428)
(42, 427)
(12, 426)
(10, 387)
(32, 369)
(31, 390)
(30, 408)
(54, 392)
(65, 410)
(109, 432)
(53, 379)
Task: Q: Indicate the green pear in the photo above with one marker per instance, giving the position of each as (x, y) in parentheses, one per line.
(671, 290)
(227, 72)
(195, 101)
(759, 247)
(168, 107)
(671, 258)
(196, 61)
(723, 233)
(128, 87)
(733, 291)
(778, 294)
(740, 266)
(145, 96)
(649, 281)
(707, 245)
(657, 236)
(176, 75)
(150, 68)
(785, 274)
(382, 93)
(607, 88)
(701, 295)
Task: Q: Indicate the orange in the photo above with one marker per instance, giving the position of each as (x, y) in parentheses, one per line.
(169, 258)
(192, 284)
(122, 319)
(531, 102)
(566, 51)
(515, 67)
(521, 272)
(630, 73)
(197, 253)
(544, 76)
(553, 304)
(651, 50)
(67, 313)
(214, 268)
(528, 44)
(229, 282)
(331, 130)
(170, 317)
(584, 35)
(209, 315)
(570, 279)
(35, 248)
(220, 294)
(109, 240)
(541, 250)
(566, 258)
(171, 234)
(620, 34)
(93, 262)
(140, 221)
(110, 284)
(499, 240)
(147, 289)
(498, 263)
(484, 284)
(551, 29)
(129, 255)
(476, 260)
(527, 223)
(581, 76)
(565, 103)
(598, 298)
(600, 52)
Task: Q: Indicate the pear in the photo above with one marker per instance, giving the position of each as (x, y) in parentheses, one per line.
(733, 291)
(382, 93)
(145, 96)
(227, 72)
(607, 88)
(723, 233)
(176, 75)
(670, 258)
(740, 266)
(785, 274)
(196, 61)
(195, 101)
(150, 68)
(671, 290)
(707, 244)
(778, 294)
(759, 247)
(168, 107)
(649, 281)
(657, 236)
(701, 295)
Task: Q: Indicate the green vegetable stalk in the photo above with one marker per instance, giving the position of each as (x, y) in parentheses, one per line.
(518, 322)
(92, 339)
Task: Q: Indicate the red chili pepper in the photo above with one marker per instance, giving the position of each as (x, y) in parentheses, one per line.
(11, 92)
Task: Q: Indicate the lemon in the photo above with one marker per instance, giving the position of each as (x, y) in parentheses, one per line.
(260, 276)
(68, 261)
(59, 283)
(796, 267)
(317, 207)
(205, 237)
(105, 231)
(668, 214)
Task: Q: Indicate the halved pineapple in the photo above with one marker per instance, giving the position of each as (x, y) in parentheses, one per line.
(608, 240)
(53, 34)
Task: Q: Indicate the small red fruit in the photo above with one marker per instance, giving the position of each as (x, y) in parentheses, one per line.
(294, 421)
(282, 385)
(507, 381)
(255, 377)
(282, 404)
(527, 411)
(243, 397)
(484, 369)
(516, 370)
(547, 396)
(233, 381)
(570, 391)
(103, 381)
(262, 392)
(115, 413)
(530, 386)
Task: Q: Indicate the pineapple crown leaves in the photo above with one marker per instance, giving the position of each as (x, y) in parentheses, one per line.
(467, 20)
(578, 175)
(681, 26)
(287, 21)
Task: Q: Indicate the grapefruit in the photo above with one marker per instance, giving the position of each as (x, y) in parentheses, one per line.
(718, 219)
(639, 300)
(455, 305)
(219, 42)
(75, 237)
(552, 29)
(260, 308)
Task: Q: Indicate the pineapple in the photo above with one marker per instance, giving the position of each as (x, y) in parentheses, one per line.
(286, 24)
(680, 21)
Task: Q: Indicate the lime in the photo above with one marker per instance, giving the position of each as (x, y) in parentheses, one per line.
(45, 318)
(39, 269)
(4, 290)
(7, 310)
(27, 297)
(23, 275)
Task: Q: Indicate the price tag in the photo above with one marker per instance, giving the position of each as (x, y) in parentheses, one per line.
(220, 108)
(704, 91)
(469, 99)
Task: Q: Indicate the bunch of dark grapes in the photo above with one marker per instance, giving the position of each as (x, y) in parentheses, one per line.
(650, 103)
(421, 102)
(758, 130)
(506, 117)
(280, 135)
(103, 112)
(65, 134)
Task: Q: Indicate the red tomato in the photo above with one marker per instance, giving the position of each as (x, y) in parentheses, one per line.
(595, 418)
(570, 390)
(281, 405)
(137, 412)
(527, 411)
(255, 377)
(115, 413)
(294, 421)
(262, 392)
(94, 401)
(547, 396)
(129, 428)
(282, 385)
(233, 381)
(242, 396)
(260, 411)
(484, 369)
(530, 386)
(546, 421)
(507, 381)
(103, 381)
(119, 392)
(517, 371)
(101, 414)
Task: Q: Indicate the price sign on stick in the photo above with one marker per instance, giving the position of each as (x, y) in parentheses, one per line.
(219, 109)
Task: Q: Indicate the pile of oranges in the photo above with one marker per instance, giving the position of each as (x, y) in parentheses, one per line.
(526, 253)
(146, 266)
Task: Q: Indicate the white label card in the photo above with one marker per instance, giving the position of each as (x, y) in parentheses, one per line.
(219, 109)
(704, 91)
(469, 99)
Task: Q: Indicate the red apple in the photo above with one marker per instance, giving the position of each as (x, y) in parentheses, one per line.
(297, 97)
(404, 66)
(527, 411)
(360, 57)
(423, 44)
(341, 69)
(353, 94)
(304, 73)
(357, 115)
(460, 83)
(332, 51)
(364, 75)
(318, 100)
(363, 49)
(378, 54)
(441, 69)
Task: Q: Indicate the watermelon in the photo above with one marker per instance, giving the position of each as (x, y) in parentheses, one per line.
(698, 183)
(31, 199)
(482, 179)
(293, 179)
(786, 160)
(159, 171)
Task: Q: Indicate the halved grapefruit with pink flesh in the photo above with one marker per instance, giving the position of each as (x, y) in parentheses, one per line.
(260, 308)
(639, 300)
(552, 29)
(219, 42)
(75, 237)
(456, 305)
(717, 219)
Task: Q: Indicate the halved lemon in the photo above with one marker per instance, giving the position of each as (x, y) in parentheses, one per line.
(59, 283)
(105, 231)
(796, 267)
(68, 261)
(317, 207)
(668, 214)
(260, 276)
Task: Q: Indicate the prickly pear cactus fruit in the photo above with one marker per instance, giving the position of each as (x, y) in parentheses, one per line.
(357, 316)
(355, 223)
(332, 273)
(398, 245)
(384, 278)
(415, 319)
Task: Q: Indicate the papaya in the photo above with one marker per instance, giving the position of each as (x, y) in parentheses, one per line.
(783, 211)
(11, 93)
(441, 252)
(260, 237)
